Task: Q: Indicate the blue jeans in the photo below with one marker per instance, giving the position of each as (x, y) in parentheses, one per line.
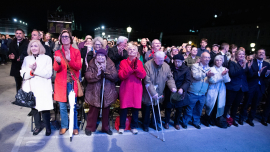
(194, 109)
(64, 113)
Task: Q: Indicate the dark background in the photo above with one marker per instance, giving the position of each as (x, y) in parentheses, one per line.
(157, 16)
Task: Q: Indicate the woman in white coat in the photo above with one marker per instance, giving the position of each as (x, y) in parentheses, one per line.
(216, 95)
(36, 72)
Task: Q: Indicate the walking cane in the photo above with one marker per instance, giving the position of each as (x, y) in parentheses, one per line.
(146, 86)
(100, 114)
(159, 114)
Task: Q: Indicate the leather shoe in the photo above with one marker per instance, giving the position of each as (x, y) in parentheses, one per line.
(166, 126)
(207, 124)
(146, 129)
(235, 124)
(63, 131)
(250, 122)
(177, 127)
(240, 122)
(37, 130)
(184, 126)
(48, 132)
(88, 132)
(197, 126)
(75, 132)
(158, 128)
(109, 132)
(264, 123)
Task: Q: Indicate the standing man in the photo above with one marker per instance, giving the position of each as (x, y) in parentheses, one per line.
(157, 74)
(224, 48)
(17, 46)
(256, 85)
(213, 54)
(156, 45)
(203, 47)
(200, 73)
(49, 41)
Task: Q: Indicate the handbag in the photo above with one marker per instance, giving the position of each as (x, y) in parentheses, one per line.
(25, 99)
(80, 87)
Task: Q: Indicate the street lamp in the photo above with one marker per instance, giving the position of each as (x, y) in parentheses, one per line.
(15, 20)
(129, 30)
(103, 34)
(109, 36)
(252, 45)
(189, 42)
(253, 49)
(102, 27)
(215, 16)
(20, 21)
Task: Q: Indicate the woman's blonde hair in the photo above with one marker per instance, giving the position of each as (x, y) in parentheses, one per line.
(41, 48)
(100, 40)
(133, 46)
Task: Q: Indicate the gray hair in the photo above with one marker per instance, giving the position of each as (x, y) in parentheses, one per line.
(219, 57)
(160, 54)
(204, 53)
(133, 46)
(155, 40)
(121, 39)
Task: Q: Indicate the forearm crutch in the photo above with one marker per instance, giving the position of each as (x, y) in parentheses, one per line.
(146, 86)
(102, 97)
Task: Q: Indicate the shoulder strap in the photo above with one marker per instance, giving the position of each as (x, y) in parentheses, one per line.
(68, 65)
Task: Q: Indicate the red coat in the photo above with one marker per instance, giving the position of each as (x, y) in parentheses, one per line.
(131, 89)
(60, 85)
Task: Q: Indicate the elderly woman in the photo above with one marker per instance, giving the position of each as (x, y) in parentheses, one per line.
(84, 51)
(67, 64)
(238, 71)
(192, 58)
(97, 43)
(100, 68)
(36, 71)
(215, 98)
(182, 77)
(131, 73)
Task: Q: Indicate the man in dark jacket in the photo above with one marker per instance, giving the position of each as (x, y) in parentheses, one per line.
(50, 42)
(224, 48)
(182, 77)
(213, 54)
(203, 47)
(118, 52)
(143, 48)
(256, 84)
(16, 48)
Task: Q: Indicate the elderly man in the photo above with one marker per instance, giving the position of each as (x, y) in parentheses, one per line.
(156, 45)
(158, 75)
(143, 48)
(118, 52)
(213, 54)
(200, 74)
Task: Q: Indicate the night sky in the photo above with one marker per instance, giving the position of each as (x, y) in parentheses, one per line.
(165, 16)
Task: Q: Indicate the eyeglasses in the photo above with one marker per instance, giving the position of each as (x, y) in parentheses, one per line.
(98, 44)
(109, 43)
(65, 37)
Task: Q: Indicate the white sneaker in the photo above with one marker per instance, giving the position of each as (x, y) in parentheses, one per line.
(121, 131)
(134, 131)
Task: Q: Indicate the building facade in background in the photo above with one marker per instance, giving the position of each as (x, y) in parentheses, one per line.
(8, 26)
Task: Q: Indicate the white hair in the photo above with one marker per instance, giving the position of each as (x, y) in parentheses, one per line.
(219, 57)
(155, 40)
(160, 54)
(121, 39)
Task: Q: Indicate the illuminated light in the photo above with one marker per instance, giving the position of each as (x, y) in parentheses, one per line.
(129, 29)
(215, 16)
(257, 26)
(15, 20)
(189, 42)
(102, 27)
(253, 49)
(103, 33)
(20, 21)
(252, 45)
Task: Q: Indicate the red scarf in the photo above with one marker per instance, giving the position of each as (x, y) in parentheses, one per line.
(153, 53)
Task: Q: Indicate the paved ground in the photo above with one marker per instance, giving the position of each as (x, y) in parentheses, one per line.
(15, 134)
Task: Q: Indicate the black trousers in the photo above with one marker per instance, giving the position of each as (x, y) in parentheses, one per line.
(146, 115)
(233, 100)
(212, 117)
(134, 120)
(18, 81)
(253, 97)
(266, 110)
(177, 115)
(46, 118)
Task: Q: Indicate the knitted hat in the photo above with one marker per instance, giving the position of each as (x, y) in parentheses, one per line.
(178, 57)
(101, 51)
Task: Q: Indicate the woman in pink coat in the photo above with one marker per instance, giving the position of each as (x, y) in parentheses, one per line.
(131, 72)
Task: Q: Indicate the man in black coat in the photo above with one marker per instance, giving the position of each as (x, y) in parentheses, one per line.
(256, 84)
(224, 48)
(143, 48)
(182, 78)
(16, 48)
(213, 54)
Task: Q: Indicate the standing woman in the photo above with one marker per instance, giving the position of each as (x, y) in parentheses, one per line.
(65, 81)
(84, 51)
(99, 68)
(235, 89)
(36, 72)
(216, 94)
(131, 73)
(97, 43)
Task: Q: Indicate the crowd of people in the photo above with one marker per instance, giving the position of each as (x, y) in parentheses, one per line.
(182, 80)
